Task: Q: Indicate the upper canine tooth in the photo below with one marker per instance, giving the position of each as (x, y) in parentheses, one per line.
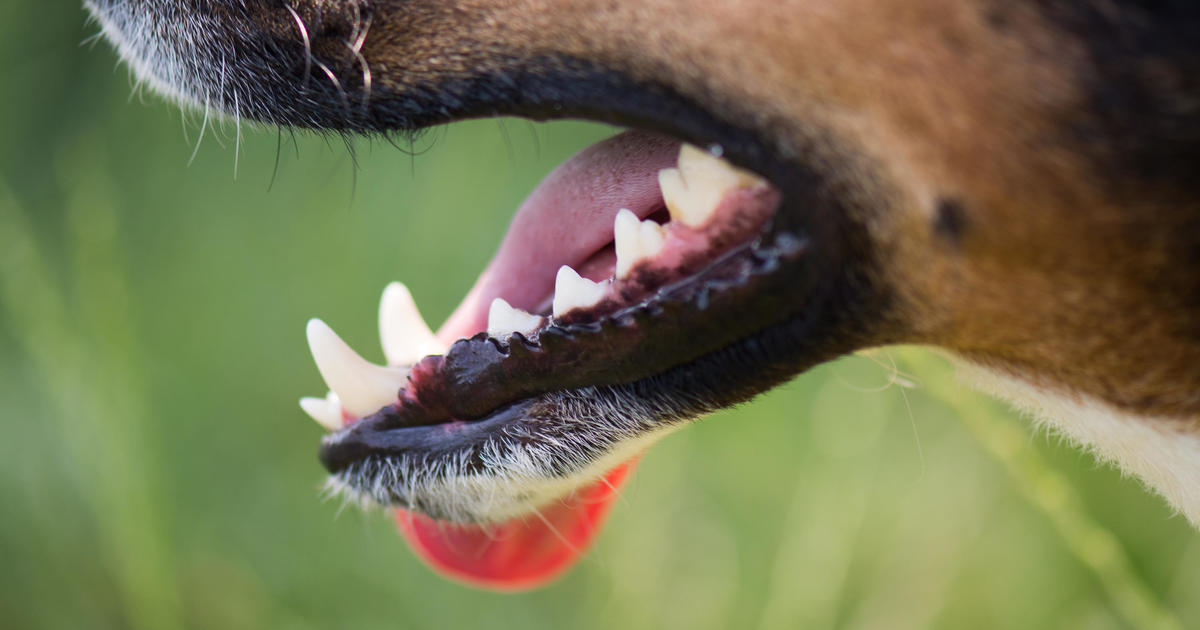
(362, 386)
(326, 411)
(635, 240)
(693, 191)
(504, 320)
(572, 291)
(403, 333)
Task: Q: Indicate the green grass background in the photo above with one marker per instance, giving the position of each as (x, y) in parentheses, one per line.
(156, 473)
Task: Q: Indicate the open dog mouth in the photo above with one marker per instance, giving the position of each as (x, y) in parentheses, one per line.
(597, 328)
(643, 284)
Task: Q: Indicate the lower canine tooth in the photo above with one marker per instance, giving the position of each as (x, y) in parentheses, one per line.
(635, 240)
(326, 411)
(504, 320)
(403, 333)
(362, 386)
(693, 191)
(571, 291)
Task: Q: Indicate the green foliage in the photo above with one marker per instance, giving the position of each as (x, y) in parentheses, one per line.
(156, 473)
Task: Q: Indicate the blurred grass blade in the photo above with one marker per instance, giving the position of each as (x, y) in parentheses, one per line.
(82, 350)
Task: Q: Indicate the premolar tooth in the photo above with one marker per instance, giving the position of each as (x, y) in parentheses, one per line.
(362, 386)
(326, 411)
(693, 191)
(504, 320)
(635, 240)
(571, 291)
(403, 333)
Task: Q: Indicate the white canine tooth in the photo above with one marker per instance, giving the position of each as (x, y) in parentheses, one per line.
(326, 411)
(362, 386)
(504, 320)
(572, 291)
(403, 333)
(693, 191)
(635, 240)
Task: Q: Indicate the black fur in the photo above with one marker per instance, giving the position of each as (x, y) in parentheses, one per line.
(1142, 123)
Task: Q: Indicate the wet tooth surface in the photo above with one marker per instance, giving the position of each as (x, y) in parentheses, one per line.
(635, 240)
(362, 386)
(504, 320)
(320, 409)
(693, 191)
(403, 333)
(572, 291)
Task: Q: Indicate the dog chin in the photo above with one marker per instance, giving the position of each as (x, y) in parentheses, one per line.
(515, 483)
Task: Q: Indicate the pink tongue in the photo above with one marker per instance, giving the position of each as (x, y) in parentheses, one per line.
(565, 221)
(518, 554)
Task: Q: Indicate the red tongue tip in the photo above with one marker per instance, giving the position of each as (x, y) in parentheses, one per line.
(521, 554)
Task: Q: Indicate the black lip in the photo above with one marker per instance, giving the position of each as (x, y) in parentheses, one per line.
(378, 436)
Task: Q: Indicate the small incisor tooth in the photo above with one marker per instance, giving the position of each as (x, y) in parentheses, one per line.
(362, 386)
(635, 240)
(572, 291)
(504, 320)
(403, 333)
(326, 411)
(693, 191)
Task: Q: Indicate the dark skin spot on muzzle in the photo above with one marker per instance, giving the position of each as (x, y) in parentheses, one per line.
(950, 220)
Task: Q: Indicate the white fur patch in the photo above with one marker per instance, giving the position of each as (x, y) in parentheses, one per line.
(150, 45)
(1165, 458)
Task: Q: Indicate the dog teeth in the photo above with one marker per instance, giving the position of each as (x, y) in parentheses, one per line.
(635, 240)
(326, 411)
(572, 291)
(362, 386)
(504, 320)
(693, 191)
(403, 333)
